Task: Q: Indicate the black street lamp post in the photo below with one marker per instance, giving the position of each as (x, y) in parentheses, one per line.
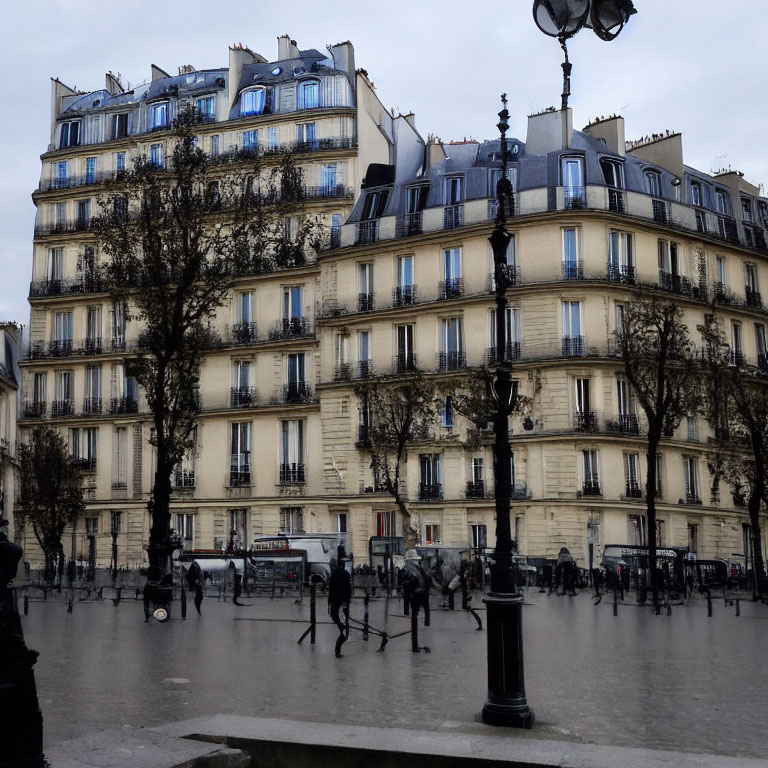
(506, 704)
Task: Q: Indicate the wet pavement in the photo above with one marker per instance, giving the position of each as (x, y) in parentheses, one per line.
(683, 682)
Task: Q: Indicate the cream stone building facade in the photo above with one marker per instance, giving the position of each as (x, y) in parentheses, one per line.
(10, 339)
(405, 283)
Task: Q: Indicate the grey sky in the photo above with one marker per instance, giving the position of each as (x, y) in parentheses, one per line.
(685, 65)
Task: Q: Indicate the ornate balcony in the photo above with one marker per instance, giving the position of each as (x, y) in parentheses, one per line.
(289, 328)
(591, 488)
(91, 405)
(297, 392)
(632, 490)
(244, 333)
(573, 346)
(364, 302)
(62, 408)
(34, 409)
(242, 397)
(621, 273)
(292, 473)
(122, 405)
(430, 492)
(183, 478)
(451, 361)
(475, 489)
(452, 288)
(573, 270)
(239, 474)
(512, 352)
(404, 295)
(585, 421)
(404, 363)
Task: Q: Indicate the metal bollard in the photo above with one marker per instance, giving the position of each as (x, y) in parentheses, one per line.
(738, 607)
(183, 603)
(709, 604)
(365, 614)
(615, 603)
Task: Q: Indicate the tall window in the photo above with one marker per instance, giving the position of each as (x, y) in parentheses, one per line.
(668, 259)
(365, 287)
(364, 353)
(404, 293)
(512, 333)
(273, 137)
(120, 162)
(38, 388)
(291, 520)
(582, 402)
(632, 476)
(453, 285)
(92, 402)
(691, 478)
(454, 190)
(55, 263)
(328, 179)
(120, 126)
(184, 472)
(64, 390)
(374, 205)
(479, 536)
(621, 258)
(306, 134)
(591, 477)
(696, 196)
(746, 209)
(613, 173)
(185, 526)
(572, 269)
(406, 354)
(61, 176)
(241, 375)
(156, 156)
(63, 327)
(573, 339)
(627, 408)
(293, 302)
(722, 202)
(653, 183)
(83, 214)
(69, 135)
(244, 309)
(750, 283)
(572, 171)
(452, 355)
(415, 199)
(721, 276)
(90, 170)
(159, 115)
(252, 101)
(238, 522)
(292, 455)
(240, 464)
(296, 368)
(638, 530)
(251, 139)
(431, 476)
(309, 94)
(761, 345)
(83, 446)
(386, 523)
(206, 108)
(119, 464)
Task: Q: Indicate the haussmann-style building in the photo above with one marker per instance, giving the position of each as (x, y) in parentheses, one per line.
(405, 283)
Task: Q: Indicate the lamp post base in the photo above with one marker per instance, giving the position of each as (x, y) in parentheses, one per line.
(507, 705)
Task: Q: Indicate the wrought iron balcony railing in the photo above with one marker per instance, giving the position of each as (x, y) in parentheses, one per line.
(183, 478)
(364, 302)
(661, 211)
(451, 288)
(404, 295)
(573, 270)
(412, 224)
(451, 361)
(297, 392)
(240, 475)
(120, 405)
(585, 421)
(63, 408)
(625, 423)
(512, 277)
(92, 346)
(475, 489)
(691, 497)
(292, 473)
(363, 436)
(617, 201)
(35, 409)
(621, 273)
(453, 216)
(404, 362)
(573, 346)
(290, 327)
(88, 282)
(242, 397)
(84, 464)
(632, 490)
(92, 405)
(365, 369)
(512, 352)
(430, 491)
(673, 283)
(574, 197)
(591, 488)
(367, 232)
(244, 333)
(753, 298)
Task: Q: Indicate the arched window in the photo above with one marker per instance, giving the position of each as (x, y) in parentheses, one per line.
(309, 94)
(723, 202)
(696, 197)
(613, 173)
(253, 101)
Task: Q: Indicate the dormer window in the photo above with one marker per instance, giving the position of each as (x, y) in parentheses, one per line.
(696, 196)
(159, 115)
(454, 190)
(120, 126)
(653, 183)
(746, 209)
(206, 108)
(375, 203)
(309, 94)
(613, 173)
(70, 134)
(722, 202)
(253, 101)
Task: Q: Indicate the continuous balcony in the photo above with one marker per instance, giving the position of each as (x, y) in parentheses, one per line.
(62, 408)
(89, 282)
(63, 227)
(753, 298)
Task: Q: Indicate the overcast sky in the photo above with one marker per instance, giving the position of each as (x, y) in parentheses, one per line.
(684, 65)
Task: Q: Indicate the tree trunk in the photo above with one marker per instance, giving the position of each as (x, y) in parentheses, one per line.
(410, 534)
(159, 549)
(755, 500)
(650, 505)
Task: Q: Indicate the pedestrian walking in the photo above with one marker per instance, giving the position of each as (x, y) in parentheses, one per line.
(339, 596)
(566, 571)
(416, 583)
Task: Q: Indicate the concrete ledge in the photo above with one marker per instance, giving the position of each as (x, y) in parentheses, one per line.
(281, 743)
(142, 748)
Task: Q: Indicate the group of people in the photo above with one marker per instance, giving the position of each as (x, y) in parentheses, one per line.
(416, 585)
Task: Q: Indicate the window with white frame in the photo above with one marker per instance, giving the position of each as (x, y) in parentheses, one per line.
(365, 287)
(746, 209)
(156, 156)
(406, 351)
(341, 522)
(573, 325)
(572, 175)
(62, 327)
(364, 353)
(83, 446)
(293, 302)
(183, 475)
(158, 114)
(431, 534)
(92, 402)
(55, 263)
(273, 137)
(291, 520)
(374, 205)
(591, 485)
(69, 134)
(632, 476)
(238, 527)
(762, 346)
(185, 526)
(653, 183)
(386, 523)
(206, 108)
(572, 268)
(329, 179)
(120, 162)
(696, 194)
(454, 190)
(251, 139)
(721, 277)
(244, 307)
(292, 452)
(306, 134)
(253, 101)
(722, 202)
(621, 256)
(120, 125)
(692, 425)
(39, 386)
(638, 530)
(240, 454)
(446, 412)
(309, 94)
(613, 172)
(691, 479)
(452, 274)
(405, 292)
(512, 333)
(452, 356)
(430, 476)
(479, 536)
(119, 458)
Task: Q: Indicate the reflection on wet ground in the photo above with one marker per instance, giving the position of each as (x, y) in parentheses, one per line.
(684, 682)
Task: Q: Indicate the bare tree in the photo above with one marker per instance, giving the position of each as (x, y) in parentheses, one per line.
(50, 492)
(395, 414)
(736, 404)
(173, 240)
(658, 358)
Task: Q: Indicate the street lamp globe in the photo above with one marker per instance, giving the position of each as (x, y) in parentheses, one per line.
(560, 18)
(608, 17)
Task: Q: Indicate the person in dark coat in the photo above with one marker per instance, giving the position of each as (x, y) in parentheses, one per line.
(339, 597)
(566, 568)
(416, 593)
